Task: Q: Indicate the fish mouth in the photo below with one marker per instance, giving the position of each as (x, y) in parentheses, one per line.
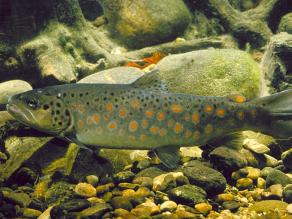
(20, 114)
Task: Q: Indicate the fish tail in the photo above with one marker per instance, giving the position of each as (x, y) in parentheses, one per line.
(276, 114)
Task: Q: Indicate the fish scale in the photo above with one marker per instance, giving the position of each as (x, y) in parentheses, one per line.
(143, 115)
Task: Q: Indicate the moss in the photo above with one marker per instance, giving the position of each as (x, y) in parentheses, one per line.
(220, 72)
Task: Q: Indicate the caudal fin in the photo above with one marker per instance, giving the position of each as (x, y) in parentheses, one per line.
(276, 114)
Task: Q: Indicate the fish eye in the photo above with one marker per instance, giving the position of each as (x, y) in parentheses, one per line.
(32, 103)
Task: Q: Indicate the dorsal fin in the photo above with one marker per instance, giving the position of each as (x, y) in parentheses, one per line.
(151, 81)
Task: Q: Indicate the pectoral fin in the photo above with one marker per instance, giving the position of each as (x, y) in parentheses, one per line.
(72, 138)
(168, 155)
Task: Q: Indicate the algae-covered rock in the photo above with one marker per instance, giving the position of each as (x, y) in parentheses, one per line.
(59, 192)
(142, 23)
(219, 72)
(188, 194)
(81, 163)
(286, 23)
(268, 205)
(10, 88)
(212, 181)
(20, 150)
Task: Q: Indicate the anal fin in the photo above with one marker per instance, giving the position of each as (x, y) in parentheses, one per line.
(168, 155)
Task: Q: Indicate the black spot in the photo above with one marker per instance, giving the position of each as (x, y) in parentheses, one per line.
(116, 100)
(51, 103)
(58, 104)
(105, 98)
(87, 103)
(46, 106)
(60, 123)
(72, 95)
(53, 112)
(58, 112)
(64, 94)
(67, 112)
(81, 94)
(112, 93)
(86, 93)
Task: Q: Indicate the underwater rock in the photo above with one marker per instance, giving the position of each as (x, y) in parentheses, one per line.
(231, 205)
(287, 193)
(151, 172)
(212, 181)
(10, 88)
(254, 146)
(286, 23)
(188, 194)
(20, 150)
(85, 190)
(117, 75)
(277, 177)
(168, 206)
(59, 192)
(268, 205)
(31, 213)
(203, 208)
(287, 158)
(227, 159)
(121, 202)
(21, 199)
(124, 176)
(275, 64)
(82, 162)
(219, 72)
(141, 23)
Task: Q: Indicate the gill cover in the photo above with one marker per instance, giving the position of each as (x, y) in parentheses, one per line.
(42, 109)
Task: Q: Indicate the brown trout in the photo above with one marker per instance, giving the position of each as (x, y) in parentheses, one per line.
(143, 115)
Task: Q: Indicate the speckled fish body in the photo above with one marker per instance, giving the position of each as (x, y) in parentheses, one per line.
(122, 117)
(135, 117)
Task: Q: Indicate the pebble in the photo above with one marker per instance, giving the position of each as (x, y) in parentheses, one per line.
(225, 197)
(231, 205)
(271, 161)
(121, 202)
(104, 188)
(244, 183)
(276, 190)
(140, 211)
(129, 186)
(203, 208)
(253, 173)
(268, 205)
(286, 157)
(289, 208)
(21, 199)
(287, 193)
(261, 183)
(124, 176)
(211, 180)
(151, 172)
(107, 196)
(85, 190)
(31, 213)
(188, 194)
(95, 200)
(46, 213)
(92, 179)
(241, 173)
(254, 146)
(95, 211)
(162, 182)
(144, 181)
(277, 177)
(154, 209)
(168, 206)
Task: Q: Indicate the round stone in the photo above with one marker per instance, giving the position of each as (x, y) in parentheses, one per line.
(203, 208)
(225, 197)
(92, 179)
(85, 190)
(168, 206)
(244, 183)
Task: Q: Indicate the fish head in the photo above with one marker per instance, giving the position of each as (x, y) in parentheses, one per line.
(42, 109)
